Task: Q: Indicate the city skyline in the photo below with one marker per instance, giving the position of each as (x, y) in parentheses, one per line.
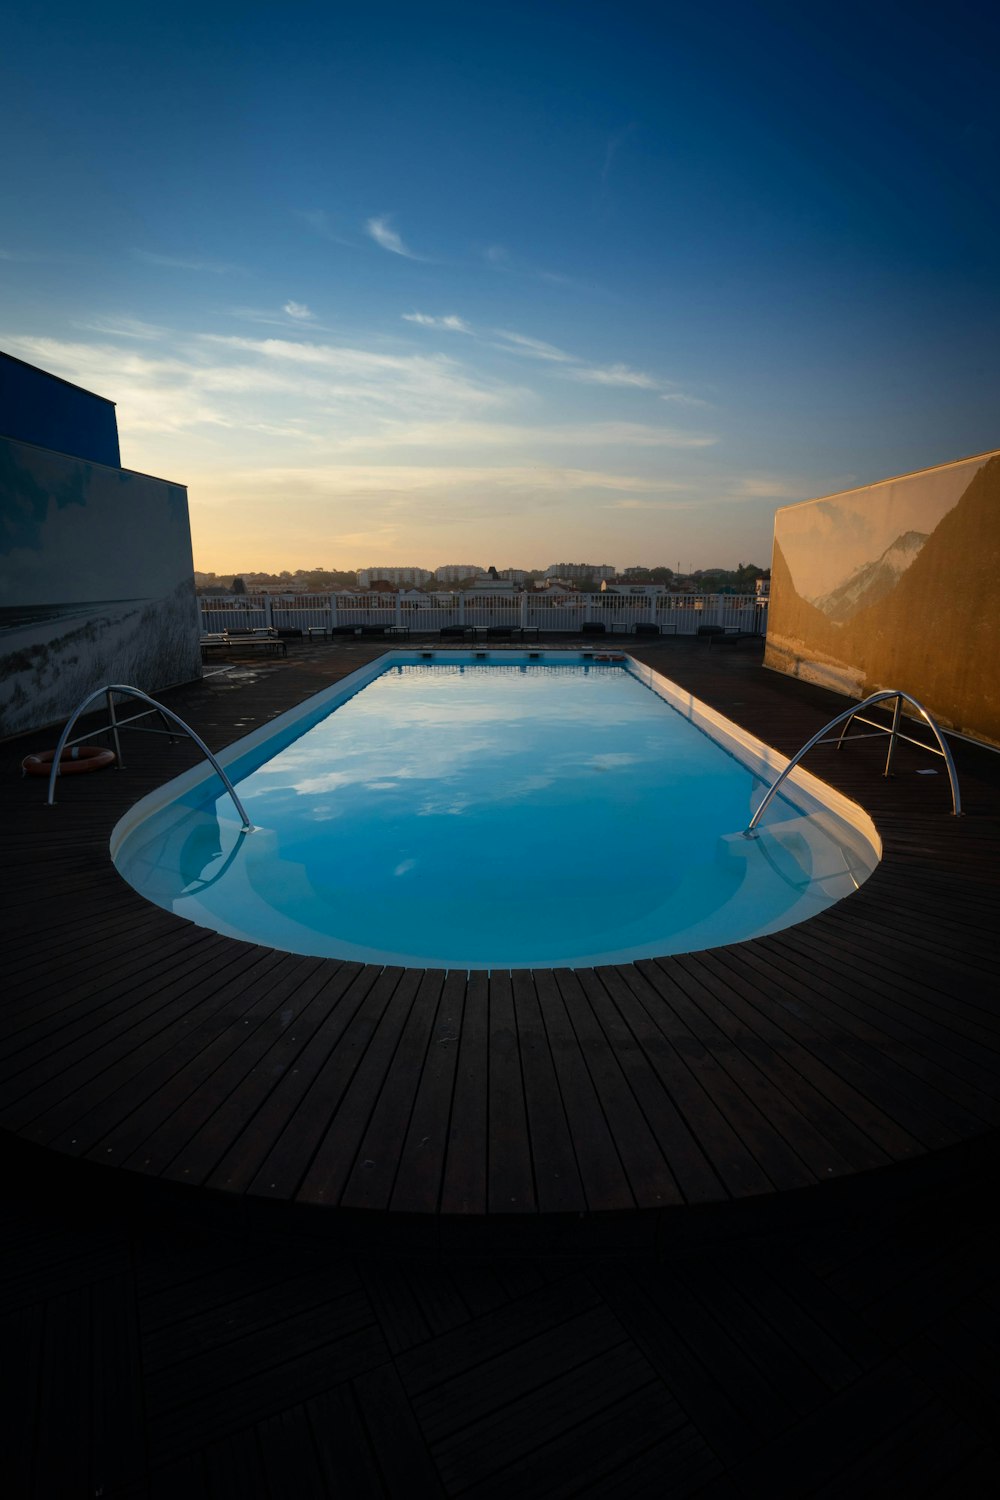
(384, 288)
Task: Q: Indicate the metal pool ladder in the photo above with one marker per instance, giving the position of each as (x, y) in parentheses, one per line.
(894, 733)
(115, 724)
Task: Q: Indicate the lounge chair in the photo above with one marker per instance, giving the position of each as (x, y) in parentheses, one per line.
(726, 635)
(645, 627)
(593, 627)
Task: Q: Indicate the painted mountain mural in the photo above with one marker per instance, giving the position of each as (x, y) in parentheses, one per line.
(872, 581)
(923, 617)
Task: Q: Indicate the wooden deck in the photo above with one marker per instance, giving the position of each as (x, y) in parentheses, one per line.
(627, 1108)
(844, 1345)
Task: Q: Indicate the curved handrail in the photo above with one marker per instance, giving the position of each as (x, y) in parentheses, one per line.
(850, 713)
(133, 692)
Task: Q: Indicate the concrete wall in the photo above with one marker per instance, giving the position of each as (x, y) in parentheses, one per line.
(895, 585)
(96, 584)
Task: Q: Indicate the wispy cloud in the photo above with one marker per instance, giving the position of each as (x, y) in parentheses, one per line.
(620, 375)
(122, 328)
(281, 317)
(325, 226)
(372, 377)
(408, 478)
(185, 263)
(538, 437)
(32, 257)
(654, 505)
(763, 487)
(518, 343)
(681, 398)
(571, 366)
(451, 323)
(499, 258)
(383, 234)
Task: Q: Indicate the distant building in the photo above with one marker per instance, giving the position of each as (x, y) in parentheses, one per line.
(580, 570)
(634, 590)
(393, 575)
(516, 575)
(492, 583)
(763, 588)
(456, 572)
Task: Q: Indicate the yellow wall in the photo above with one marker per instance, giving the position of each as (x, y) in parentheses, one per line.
(897, 585)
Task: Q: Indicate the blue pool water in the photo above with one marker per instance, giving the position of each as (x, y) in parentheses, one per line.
(483, 815)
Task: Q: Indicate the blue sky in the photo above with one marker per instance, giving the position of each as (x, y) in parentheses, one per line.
(445, 283)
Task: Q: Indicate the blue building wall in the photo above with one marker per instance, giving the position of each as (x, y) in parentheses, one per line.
(36, 407)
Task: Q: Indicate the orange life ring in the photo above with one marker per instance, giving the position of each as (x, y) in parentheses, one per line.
(72, 762)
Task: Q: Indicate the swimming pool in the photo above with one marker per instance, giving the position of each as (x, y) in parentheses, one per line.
(496, 810)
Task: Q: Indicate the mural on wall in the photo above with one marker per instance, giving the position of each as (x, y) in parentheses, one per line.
(892, 586)
(96, 583)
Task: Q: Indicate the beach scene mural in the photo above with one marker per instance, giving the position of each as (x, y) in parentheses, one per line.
(96, 583)
(893, 586)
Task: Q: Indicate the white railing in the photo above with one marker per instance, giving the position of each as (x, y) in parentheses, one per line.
(675, 614)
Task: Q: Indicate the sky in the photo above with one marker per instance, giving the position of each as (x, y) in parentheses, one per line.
(446, 283)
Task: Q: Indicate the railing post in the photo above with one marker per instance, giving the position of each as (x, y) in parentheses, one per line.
(461, 608)
(268, 614)
(119, 763)
(332, 607)
(896, 712)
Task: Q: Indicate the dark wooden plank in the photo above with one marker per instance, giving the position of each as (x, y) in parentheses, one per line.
(553, 1153)
(158, 1096)
(604, 1181)
(695, 1178)
(649, 1021)
(395, 1437)
(346, 1124)
(261, 1140)
(431, 1365)
(650, 1178)
(518, 1428)
(454, 1405)
(87, 1052)
(511, 1182)
(417, 1187)
(343, 1445)
(464, 1188)
(291, 1127)
(101, 1071)
(223, 1113)
(193, 1094)
(809, 1081)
